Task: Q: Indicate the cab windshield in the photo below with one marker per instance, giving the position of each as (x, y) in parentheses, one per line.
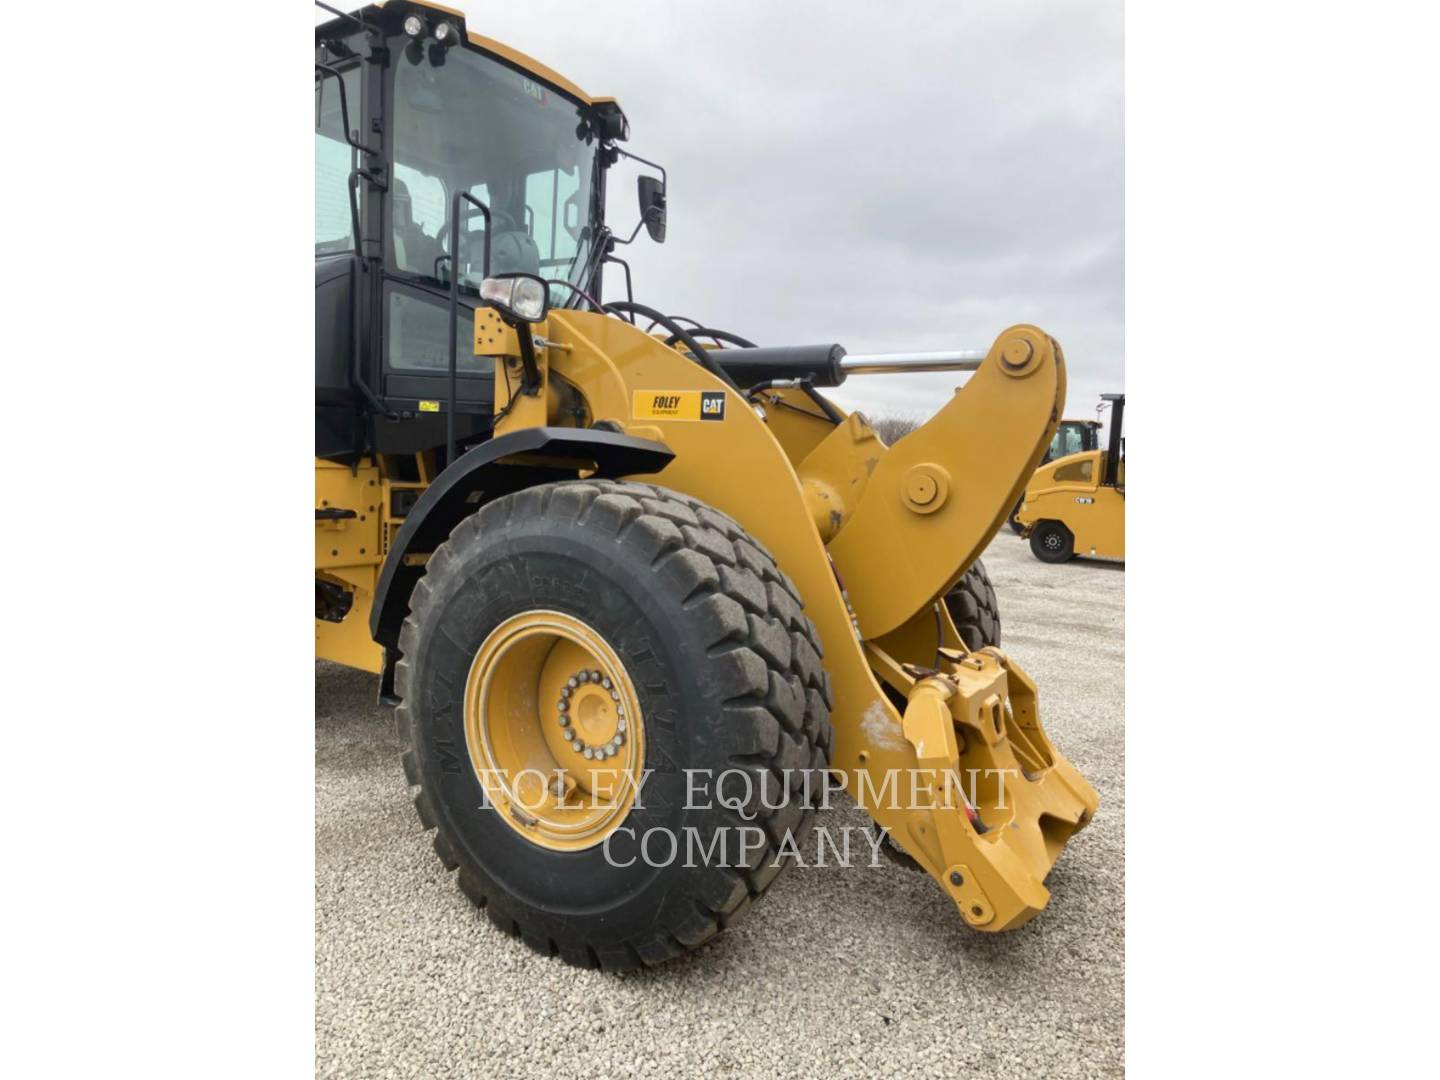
(471, 123)
(1069, 439)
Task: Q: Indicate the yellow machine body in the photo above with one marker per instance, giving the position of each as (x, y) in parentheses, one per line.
(355, 519)
(1071, 490)
(942, 746)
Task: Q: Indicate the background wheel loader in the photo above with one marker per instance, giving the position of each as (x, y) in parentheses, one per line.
(591, 558)
(1076, 504)
(1071, 437)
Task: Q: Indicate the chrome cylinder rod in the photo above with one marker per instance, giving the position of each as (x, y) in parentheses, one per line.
(890, 363)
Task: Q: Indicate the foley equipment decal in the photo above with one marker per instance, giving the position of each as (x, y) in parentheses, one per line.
(679, 405)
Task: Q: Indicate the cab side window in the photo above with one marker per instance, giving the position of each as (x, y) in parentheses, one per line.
(418, 214)
(334, 161)
(553, 213)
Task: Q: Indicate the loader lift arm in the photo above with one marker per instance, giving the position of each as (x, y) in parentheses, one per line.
(898, 527)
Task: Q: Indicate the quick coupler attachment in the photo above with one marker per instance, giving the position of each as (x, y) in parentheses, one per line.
(994, 802)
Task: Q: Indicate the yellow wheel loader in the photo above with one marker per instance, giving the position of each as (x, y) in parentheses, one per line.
(638, 591)
(1075, 505)
(1071, 437)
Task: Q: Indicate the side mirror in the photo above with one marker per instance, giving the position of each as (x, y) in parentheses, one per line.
(652, 206)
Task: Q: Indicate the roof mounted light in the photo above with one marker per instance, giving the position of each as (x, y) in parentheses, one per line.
(522, 296)
(414, 26)
(446, 33)
(614, 127)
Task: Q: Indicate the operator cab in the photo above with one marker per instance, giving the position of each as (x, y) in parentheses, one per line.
(1073, 437)
(411, 109)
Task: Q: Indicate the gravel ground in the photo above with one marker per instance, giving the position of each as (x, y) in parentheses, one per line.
(836, 972)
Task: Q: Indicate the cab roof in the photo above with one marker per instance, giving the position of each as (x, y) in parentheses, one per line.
(505, 52)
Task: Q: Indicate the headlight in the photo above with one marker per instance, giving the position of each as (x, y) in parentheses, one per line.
(414, 26)
(446, 34)
(523, 296)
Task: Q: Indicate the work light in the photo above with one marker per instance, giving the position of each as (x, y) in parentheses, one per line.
(446, 34)
(524, 296)
(414, 26)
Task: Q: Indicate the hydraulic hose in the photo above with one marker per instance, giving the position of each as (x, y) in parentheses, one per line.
(719, 336)
(702, 356)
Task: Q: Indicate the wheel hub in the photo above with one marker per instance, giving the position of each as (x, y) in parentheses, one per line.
(554, 730)
(592, 717)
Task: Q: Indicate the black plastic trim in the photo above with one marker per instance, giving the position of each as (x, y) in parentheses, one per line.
(480, 472)
(1117, 431)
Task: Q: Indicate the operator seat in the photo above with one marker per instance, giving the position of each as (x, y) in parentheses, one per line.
(414, 249)
(513, 251)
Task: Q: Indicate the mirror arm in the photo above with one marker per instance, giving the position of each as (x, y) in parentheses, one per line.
(327, 70)
(638, 225)
(664, 184)
(664, 180)
(361, 23)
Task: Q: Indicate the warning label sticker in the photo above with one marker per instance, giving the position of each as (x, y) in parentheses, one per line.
(679, 405)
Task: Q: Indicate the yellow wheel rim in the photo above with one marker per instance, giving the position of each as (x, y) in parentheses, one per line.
(554, 730)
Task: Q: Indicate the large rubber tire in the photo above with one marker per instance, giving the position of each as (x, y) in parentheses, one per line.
(974, 609)
(727, 671)
(1052, 542)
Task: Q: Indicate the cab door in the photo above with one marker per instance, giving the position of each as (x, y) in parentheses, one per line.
(415, 322)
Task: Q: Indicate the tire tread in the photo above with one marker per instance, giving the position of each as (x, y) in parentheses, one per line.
(765, 653)
(974, 608)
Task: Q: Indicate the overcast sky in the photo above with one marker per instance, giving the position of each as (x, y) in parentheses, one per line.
(890, 175)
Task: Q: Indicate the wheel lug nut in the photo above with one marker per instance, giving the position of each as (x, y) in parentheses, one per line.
(571, 683)
(564, 720)
(605, 683)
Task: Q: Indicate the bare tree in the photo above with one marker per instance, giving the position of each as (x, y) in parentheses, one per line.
(892, 427)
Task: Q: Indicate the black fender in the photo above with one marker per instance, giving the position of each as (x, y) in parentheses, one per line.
(482, 474)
